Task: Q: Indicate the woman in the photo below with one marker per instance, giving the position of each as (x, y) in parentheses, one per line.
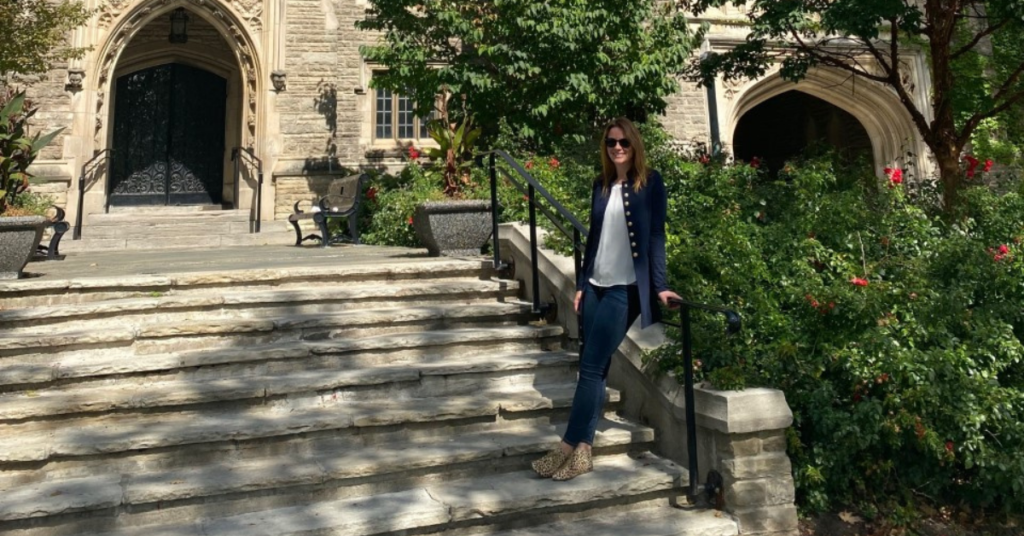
(623, 277)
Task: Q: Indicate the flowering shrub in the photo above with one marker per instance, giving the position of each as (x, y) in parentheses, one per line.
(386, 218)
(894, 332)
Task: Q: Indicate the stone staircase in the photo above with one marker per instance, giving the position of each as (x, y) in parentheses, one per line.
(174, 227)
(381, 398)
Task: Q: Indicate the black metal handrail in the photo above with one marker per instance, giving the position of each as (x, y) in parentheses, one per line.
(101, 157)
(530, 190)
(713, 483)
(245, 157)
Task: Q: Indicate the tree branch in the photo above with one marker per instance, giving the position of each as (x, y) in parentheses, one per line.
(823, 57)
(1010, 80)
(976, 119)
(977, 38)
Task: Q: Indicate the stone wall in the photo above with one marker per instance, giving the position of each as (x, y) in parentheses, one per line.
(686, 117)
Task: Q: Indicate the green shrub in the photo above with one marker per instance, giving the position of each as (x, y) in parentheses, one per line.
(895, 333)
(390, 201)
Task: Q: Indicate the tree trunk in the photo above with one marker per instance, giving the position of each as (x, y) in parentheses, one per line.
(947, 156)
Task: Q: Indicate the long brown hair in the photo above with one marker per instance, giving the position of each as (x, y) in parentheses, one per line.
(639, 169)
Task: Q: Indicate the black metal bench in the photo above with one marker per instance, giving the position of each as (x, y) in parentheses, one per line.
(51, 252)
(341, 202)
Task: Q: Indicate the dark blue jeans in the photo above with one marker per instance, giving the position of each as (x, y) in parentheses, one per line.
(607, 315)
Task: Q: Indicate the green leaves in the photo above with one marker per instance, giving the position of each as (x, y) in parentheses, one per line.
(17, 152)
(35, 34)
(913, 382)
(550, 69)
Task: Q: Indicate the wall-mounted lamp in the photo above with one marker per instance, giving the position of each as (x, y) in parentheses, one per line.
(179, 26)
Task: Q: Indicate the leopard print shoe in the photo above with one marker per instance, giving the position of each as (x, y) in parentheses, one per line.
(580, 462)
(550, 463)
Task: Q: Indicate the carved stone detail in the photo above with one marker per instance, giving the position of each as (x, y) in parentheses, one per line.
(75, 78)
(251, 11)
(280, 80)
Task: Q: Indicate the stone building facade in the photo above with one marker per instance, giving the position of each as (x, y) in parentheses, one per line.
(284, 81)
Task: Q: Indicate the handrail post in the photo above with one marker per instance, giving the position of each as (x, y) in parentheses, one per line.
(577, 261)
(235, 174)
(77, 235)
(259, 193)
(493, 172)
(691, 411)
(533, 249)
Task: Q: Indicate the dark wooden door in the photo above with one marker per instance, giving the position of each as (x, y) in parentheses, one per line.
(168, 137)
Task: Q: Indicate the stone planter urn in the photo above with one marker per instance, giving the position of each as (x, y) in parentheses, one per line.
(453, 228)
(19, 237)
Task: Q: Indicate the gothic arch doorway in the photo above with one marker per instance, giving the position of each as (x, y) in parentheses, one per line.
(169, 137)
(176, 111)
(783, 126)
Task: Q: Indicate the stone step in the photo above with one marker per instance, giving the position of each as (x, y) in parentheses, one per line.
(122, 433)
(419, 378)
(438, 507)
(161, 229)
(228, 323)
(122, 216)
(38, 292)
(356, 294)
(660, 519)
(27, 370)
(324, 465)
(170, 240)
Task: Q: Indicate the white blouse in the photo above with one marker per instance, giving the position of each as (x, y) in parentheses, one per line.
(613, 263)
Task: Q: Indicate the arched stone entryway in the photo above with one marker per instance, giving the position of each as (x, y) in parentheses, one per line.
(218, 68)
(893, 138)
(795, 121)
(170, 118)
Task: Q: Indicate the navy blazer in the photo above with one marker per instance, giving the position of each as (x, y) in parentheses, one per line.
(645, 220)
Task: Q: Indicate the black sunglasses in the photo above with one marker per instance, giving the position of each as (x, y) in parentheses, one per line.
(611, 142)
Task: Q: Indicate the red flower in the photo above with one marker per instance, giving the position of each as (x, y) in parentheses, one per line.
(999, 253)
(949, 446)
(704, 159)
(554, 162)
(529, 164)
(371, 194)
(413, 153)
(526, 198)
(988, 165)
(972, 163)
(409, 221)
(895, 176)
(860, 282)
(755, 162)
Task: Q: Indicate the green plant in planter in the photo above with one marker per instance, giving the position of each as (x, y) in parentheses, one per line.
(454, 152)
(17, 149)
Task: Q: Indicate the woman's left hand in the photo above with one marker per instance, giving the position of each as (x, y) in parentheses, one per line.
(665, 295)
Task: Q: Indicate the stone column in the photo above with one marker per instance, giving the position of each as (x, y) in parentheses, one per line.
(742, 435)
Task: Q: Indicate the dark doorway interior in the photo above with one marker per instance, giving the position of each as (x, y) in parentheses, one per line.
(168, 137)
(784, 126)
